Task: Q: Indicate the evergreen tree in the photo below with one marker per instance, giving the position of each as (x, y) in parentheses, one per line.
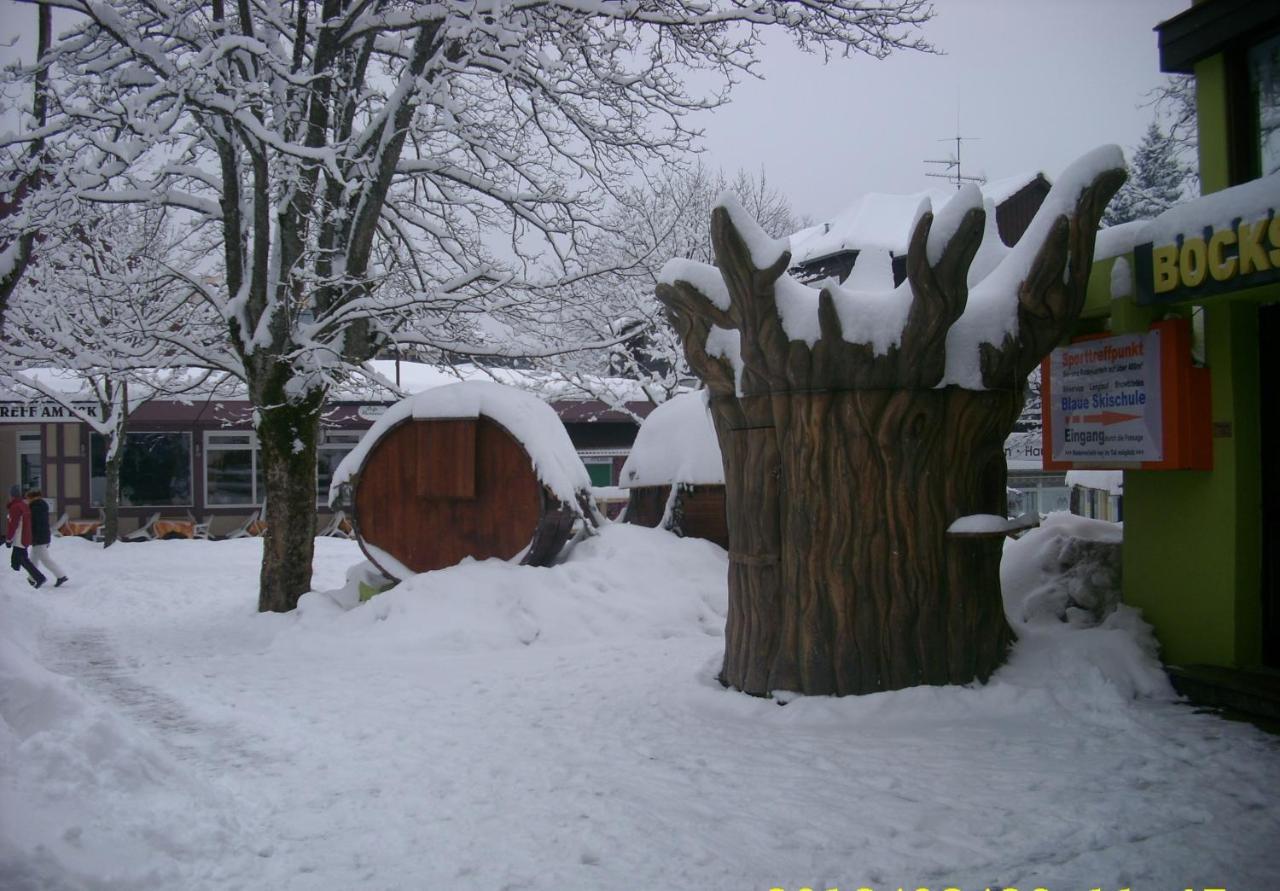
(1157, 180)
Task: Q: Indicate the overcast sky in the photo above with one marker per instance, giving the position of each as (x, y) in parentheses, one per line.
(1037, 83)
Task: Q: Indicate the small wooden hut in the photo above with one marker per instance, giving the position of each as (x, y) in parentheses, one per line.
(472, 469)
(674, 474)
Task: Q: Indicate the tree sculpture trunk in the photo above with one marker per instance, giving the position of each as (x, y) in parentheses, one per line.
(845, 466)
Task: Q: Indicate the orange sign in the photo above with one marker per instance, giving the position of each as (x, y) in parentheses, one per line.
(1128, 401)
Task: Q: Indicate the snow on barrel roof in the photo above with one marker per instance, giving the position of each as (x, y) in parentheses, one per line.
(676, 444)
(531, 421)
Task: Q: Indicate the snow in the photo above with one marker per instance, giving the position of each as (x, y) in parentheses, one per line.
(726, 344)
(982, 524)
(946, 222)
(1115, 241)
(872, 272)
(676, 444)
(870, 317)
(1249, 202)
(703, 276)
(881, 221)
(765, 249)
(491, 726)
(531, 421)
(876, 221)
(1121, 280)
(798, 310)
(991, 313)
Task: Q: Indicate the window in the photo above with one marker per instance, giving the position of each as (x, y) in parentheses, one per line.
(155, 470)
(1264, 88)
(29, 475)
(601, 472)
(334, 446)
(232, 469)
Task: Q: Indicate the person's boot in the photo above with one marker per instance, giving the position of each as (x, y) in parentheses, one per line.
(60, 582)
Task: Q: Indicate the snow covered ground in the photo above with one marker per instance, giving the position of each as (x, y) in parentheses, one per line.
(494, 727)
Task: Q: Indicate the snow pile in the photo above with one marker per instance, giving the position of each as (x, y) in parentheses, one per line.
(628, 583)
(676, 444)
(101, 802)
(531, 421)
(1067, 570)
(1061, 587)
(562, 728)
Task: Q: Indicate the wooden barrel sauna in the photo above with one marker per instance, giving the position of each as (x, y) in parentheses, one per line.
(473, 469)
(677, 447)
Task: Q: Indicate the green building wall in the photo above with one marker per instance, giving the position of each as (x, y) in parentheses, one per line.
(1192, 549)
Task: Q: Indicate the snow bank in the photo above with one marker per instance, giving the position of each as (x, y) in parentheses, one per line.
(99, 801)
(1061, 585)
(676, 444)
(531, 421)
(627, 583)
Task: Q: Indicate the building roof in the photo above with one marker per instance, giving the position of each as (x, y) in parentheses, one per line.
(881, 221)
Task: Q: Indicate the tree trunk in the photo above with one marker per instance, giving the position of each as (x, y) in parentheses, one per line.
(846, 462)
(287, 435)
(868, 593)
(111, 498)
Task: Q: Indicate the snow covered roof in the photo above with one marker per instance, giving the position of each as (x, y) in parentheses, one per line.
(531, 421)
(880, 221)
(414, 377)
(1247, 202)
(676, 444)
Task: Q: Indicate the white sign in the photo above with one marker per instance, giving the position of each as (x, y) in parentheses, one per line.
(43, 411)
(1106, 400)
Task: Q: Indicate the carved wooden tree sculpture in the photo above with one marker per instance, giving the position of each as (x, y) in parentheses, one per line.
(847, 458)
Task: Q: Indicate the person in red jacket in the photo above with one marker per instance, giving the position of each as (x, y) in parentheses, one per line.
(17, 535)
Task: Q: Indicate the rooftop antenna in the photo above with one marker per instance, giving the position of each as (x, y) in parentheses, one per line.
(951, 165)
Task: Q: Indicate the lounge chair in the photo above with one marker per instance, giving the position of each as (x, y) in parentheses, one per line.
(242, 531)
(202, 527)
(143, 532)
(337, 527)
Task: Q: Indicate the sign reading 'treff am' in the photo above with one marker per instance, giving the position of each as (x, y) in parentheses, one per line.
(43, 411)
(1106, 400)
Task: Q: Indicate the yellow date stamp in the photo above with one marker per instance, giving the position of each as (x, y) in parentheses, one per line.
(954, 888)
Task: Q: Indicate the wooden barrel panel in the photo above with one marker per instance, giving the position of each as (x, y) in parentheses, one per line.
(646, 504)
(411, 498)
(703, 514)
(700, 511)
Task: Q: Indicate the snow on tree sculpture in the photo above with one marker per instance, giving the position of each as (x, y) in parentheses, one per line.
(856, 427)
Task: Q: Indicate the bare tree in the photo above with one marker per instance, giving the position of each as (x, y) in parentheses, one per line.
(329, 148)
(663, 217)
(98, 310)
(21, 164)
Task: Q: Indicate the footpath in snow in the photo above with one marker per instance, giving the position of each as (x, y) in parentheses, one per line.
(492, 726)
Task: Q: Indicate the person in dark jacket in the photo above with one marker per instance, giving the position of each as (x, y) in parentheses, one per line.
(42, 536)
(17, 535)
